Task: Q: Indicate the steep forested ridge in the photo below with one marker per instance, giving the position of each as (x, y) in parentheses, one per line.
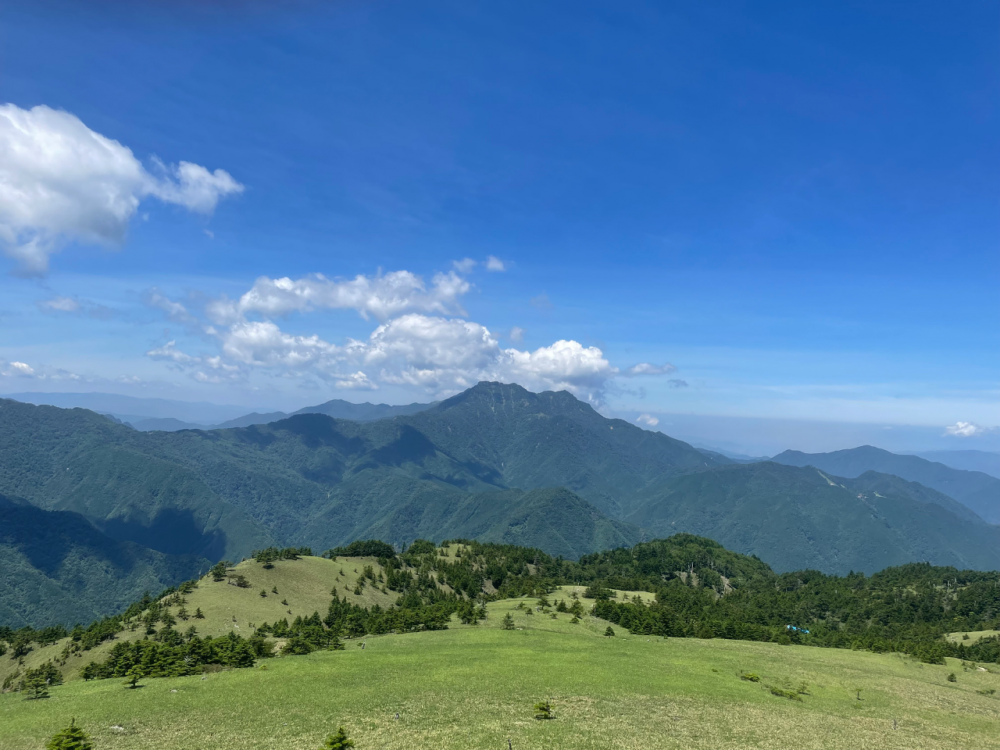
(974, 489)
(55, 567)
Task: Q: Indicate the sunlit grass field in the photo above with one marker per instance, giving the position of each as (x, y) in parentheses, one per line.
(475, 686)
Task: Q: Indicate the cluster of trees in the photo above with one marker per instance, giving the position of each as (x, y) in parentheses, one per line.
(343, 618)
(268, 557)
(366, 548)
(178, 656)
(34, 683)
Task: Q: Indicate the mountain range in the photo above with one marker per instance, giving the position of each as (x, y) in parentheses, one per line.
(974, 489)
(495, 463)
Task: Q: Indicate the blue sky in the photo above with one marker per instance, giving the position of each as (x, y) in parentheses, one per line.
(795, 205)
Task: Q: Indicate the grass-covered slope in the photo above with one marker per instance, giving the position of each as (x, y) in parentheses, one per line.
(978, 491)
(57, 568)
(476, 687)
(802, 518)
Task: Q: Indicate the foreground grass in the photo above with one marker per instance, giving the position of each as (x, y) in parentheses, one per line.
(474, 687)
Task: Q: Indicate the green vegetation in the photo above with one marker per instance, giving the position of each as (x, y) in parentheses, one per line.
(71, 738)
(682, 587)
(338, 741)
(476, 686)
(495, 463)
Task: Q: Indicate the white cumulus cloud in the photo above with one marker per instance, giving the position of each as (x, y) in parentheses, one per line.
(380, 297)
(966, 429)
(418, 342)
(61, 181)
(494, 264)
(647, 419)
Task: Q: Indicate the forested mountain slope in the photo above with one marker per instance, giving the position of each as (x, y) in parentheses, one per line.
(55, 567)
(978, 491)
(802, 518)
(532, 440)
(493, 463)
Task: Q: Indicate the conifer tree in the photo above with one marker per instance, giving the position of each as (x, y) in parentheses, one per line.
(508, 622)
(338, 741)
(133, 676)
(35, 685)
(71, 738)
(610, 633)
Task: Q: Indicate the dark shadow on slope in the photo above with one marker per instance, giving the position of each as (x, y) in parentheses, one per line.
(173, 531)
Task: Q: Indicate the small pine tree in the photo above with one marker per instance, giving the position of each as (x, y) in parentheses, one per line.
(574, 620)
(337, 741)
(609, 632)
(198, 614)
(952, 677)
(263, 594)
(508, 622)
(133, 676)
(543, 710)
(71, 738)
(274, 589)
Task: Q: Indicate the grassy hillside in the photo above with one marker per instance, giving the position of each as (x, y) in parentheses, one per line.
(978, 491)
(57, 568)
(475, 687)
(306, 585)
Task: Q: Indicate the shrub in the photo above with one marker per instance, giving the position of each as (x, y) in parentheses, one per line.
(750, 677)
(71, 738)
(609, 632)
(952, 677)
(543, 710)
(987, 691)
(338, 741)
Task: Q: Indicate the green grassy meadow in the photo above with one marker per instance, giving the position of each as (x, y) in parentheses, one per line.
(474, 687)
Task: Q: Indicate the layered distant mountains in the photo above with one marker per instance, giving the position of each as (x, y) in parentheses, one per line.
(497, 463)
(974, 489)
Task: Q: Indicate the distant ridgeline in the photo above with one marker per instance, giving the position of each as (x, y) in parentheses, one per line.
(701, 590)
